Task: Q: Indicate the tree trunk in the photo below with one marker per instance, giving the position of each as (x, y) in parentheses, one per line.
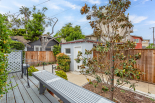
(112, 73)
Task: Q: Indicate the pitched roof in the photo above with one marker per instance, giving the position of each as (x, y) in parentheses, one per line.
(90, 35)
(137, 36)
(46, 35)
(21, 39)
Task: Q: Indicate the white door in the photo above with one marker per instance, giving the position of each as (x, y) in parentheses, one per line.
(76, 49)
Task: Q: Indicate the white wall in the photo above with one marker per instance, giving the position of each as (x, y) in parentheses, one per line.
(84, 45)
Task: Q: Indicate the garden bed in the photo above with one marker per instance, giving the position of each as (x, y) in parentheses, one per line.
(120, 95)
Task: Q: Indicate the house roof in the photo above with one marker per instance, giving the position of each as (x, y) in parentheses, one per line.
(146, 39)
(46, 35)
(137, 36)
(90, 35)
(81, 40)
(21, 39)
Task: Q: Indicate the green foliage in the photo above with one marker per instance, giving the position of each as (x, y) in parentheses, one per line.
(31, 69)
(35, 27)
(44, 63)
(4, 50)
(123, 91)
(152, 99)
(105, 89)
(70, 33)
(150, 46)
(56, 49)
(18, 46)
(61, 74)
(18, 32)
(63, 62)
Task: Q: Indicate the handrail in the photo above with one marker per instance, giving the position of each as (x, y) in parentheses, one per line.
(28, 85)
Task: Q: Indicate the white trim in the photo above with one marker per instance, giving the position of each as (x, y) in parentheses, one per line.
(75, 56)
(51, 48)
(37, 46)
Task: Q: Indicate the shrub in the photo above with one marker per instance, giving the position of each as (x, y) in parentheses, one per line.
(44, 63)
(38, 64)
(18, 46)
(31, 69)
(63, 61)
(61, 74)
(56, 49)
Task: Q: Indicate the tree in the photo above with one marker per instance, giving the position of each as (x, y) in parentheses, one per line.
(69, 33)
(18, 32)
(150, 46)
(110, 21)
(35, 27)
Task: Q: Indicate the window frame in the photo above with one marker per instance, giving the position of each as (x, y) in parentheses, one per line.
(136, 41)
(68, 53)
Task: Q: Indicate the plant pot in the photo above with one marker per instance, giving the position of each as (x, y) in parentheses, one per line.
(50, 92)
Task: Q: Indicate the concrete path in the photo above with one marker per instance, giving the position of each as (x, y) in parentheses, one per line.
(79, 79)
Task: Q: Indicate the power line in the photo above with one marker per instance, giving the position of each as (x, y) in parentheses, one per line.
(67, 9)
(36, 5)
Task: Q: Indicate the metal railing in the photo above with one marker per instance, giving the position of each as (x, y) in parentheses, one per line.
(27, 63)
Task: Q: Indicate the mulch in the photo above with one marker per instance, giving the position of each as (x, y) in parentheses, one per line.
(120, 95)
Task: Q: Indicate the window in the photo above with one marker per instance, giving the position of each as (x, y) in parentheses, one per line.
(51, 48)
(136, 40)
(37, 48)
(67, 51)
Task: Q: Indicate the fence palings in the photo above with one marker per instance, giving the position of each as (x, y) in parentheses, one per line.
(146, 63)
(36, 56)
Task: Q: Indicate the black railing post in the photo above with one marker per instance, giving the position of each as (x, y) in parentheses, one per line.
(52, 68)
(43, 66)
(22, 69)
(28, 85)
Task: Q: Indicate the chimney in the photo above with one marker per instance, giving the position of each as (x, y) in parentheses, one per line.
(63, 40)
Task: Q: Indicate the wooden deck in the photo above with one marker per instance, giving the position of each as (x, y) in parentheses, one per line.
(22, 94)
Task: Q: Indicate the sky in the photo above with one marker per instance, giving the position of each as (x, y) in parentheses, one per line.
(141, 13)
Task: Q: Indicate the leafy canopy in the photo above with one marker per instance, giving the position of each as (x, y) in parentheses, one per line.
(150, 46)
(70, 33)
(35, 27)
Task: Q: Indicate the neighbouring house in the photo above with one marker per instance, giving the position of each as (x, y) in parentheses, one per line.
(22, 40)
(120, 31)
(92, 37)
(145, 43)
(138, 40)
(36, 45)
(71, 49)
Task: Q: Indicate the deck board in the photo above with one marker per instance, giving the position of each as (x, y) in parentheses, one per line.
(42, 97)
(18, 96)
(10, 95)
(47, 95)
(22, 94)
(31, 93)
